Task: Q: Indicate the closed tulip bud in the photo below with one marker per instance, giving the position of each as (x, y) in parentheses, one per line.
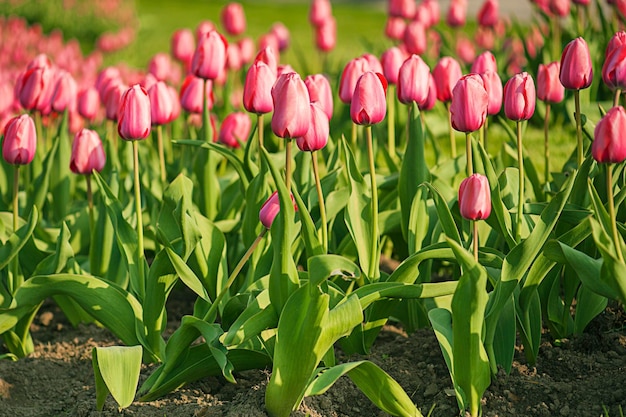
(493, 85)
(175, 103)
(235, 128)
(465, 50)
(20, 140)
(431, 99)
(415, 37)
(148, 81)
(549, 87)
(484, 62)
(87, 153)
(320, 11)
(391, 61)
(282, 34)
(576, 70)
(457, 14)
(291, 115)
(247, 49)
(183, 45)
(519, 97)
(475, 197)
(326, 35)
(160, 66)
(191, 94)
(608, 144)
(468, 109)
(161, 105)
(233, 57)
(64, 93)
(271, 208)
(35, 88)
(446, 73)
(369, 105)
(267, 56)
(284, 69)
(133, 120)
(257, 92)
(316, 136)
(488, 13)
(614, 68)
(373, 62)
(402, 8)
(112, 99)
(203, 28)
(395, 28)
(105, 78)
(433, 11)
(413, 79)
(233, 19)
(560, 7)
(350, 75)
(7, 98)
(617, 40)
(320, 92)
(209, 59)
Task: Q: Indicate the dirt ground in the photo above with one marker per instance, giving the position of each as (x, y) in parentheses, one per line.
(579, 377)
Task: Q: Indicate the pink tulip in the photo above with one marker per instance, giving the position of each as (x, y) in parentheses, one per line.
(267, 56)
(20, 140)
(320, 93)
(35, 89)
(349, 77)
(608, 144)
(316, 136)
(549, 87)
(176, 108)
(457, 14)
(519, 97)
(485, 38)
(257, 92)
(112, 98)
(269, 40)
(493, 85)
(395, 28)
(486, 61)
(369, 105)
(7, 98)
(446, 73)
(320, 11)
(415, 37)
(431, 99)
(134, 114)
(413, 79)
(576, 70)
(161, 105)
(391, 61)
(326, 35)
(291, 115)
(475, 197)
(160, 66)
(209, 59)
(105, 78)
(614, 68)
(282, 34)
(203, 28)
(468, 108)
(233, 57)
(617, 40)
(235, 128)
(64, 93)
(87, 153)
(39, 61)
(191, 94)
(582, 2)
(373, 62)
(488, 13)
(434, 11)
(465, 50)
(247, 49)
(270, 209)
(183, 46)
(233, 19)
(560, 7)
(402, 8)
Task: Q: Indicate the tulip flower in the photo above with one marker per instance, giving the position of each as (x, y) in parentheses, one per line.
(257, 94)
(112, 98)
(488, 13)
(134, 114)
(446, 74)
(457, 14)
(161, 112)
(391, 61)
(64, 93)
(282, 34)
(609, 147)
(475, 202)
(88, 103)
(617, 40)
(35, 89)
(192, 94)
(560, 7)
(316, 136)
(486, 61)
(493, 85)
(247, 49)
(349, 77)
(235, 129)
(431, 99)
(87, 153)
(320, 92)
(413, 79)
(233, 19)
(415, 37)
(320, 11)
(465, 50)
(204, 27)
(402, 8)
(268, 57)
(209, 59)
(373, 62)
(270, 209)
(20, 140)
(550, 90)
(394, 28)
(326, 35)
(183, 46)
(160, 66)
(614, 71)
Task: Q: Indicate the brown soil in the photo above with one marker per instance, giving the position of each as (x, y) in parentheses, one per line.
(579, 377)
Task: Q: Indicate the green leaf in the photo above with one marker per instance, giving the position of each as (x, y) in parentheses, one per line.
(588, 306)
(419, 220)
(103, 250)
(187, 275)
(309, 233)
(38, 189)
(445, 216)
(258, 316)
(377, 291)
(117, 371)
(322, 267)
(18, 239)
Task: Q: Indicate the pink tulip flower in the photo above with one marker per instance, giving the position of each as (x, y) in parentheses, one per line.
(549, 87)
(209, 59)
(519, 97)
(608, 144)
(87, 153)
(446, 73)
(413, 78)
(475, 197)
(233, 19)
(235, 128)
(468, 108)
(134, 116)
(369, 105)
(291, 100)
(576, 70)
(257, 92)
(20, 140)
(320, 93)
(316, 136)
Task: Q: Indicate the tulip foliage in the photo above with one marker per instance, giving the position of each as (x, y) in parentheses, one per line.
(285, 250)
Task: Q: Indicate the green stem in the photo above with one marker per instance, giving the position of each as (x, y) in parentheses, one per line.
(556, 37)
(353, 136)
(39, 130)
(92, 221)
(579, 128)
(140, 250)
(468, 153)
(546, 144)
(206, 119)
(320, 199)
(373, 266)
(14, 281)
(212, 313)
(391, 122)
(161, 153)
(485, 134)
(520, 202)
(260, 128)
(451, 133)
(616, 237)
(288, 146)
(618, 92)
(475, 227)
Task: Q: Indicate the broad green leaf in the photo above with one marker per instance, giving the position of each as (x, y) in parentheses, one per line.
(38, 189)
(371, 293)
(506, 336)
(588, 306)
(103, 251)
(258, 316)
(309, 233)
(187, 275)
(322, 267)
(613, 271)
(441, 320)
(117, 371)
(18, 239)
(419, 220)
(445, 216)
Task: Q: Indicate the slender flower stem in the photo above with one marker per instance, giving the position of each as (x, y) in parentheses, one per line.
(353, 135)
(468, 153)
(212, 313)
(14, 282)
(373, 266)
(320, 199)
(140, 250)
(485, 134)
(288, 146)
(39, 130)
(618, 92)
(579, 128)
(616, 237)
(92, 221)
(260, 127)
(451, 132)
(161, 153)
(556, 37)
(546, 144)
(391, 122)
(206, 118)
(520, 202)
(475, 227)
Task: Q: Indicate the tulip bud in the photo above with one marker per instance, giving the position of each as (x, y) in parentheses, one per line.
(434, 11)
(191, 94)
(549, 87)
(105, 78)
(320, 92)
(20, 140)
(291, 100)
(475, 197)
(326, 35)
(87, 153)
(247, 49)
(233, 19)
(617, 40)
(112, 98)
(316, 136)
(486, 61)
(576, 70)
(431, 99)
(446, 73)
(160, 66)
(183, 46)
(369, 105)
(468, 109)
(413, 79)
(64, 93)
(519, 97)
(134, 114)
(350, 75)
(457, 14)
(488, 13)
(614, 68)
(282, 34)
(88, 103)
(402, 8)
(161, 103)
(465, 50)
(35, 89)
(257, 91)
(391, 61)
(320, 11)
(373, 62)
(395, 28)
(493, 85)
(415, 37)
(608, 144)
(560, 7)
(235, 128)
(203, 28)
(271, 208)
(209, 59)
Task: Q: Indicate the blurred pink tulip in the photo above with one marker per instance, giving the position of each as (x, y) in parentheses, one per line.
(203, 28)
(413, 79)
(87, 153)
(549, 87)
(316, 136)
(457, 13)
(268, 56)
(88, 103)
(475, 197)
(112, 98)
(493, 85)
(349, 77)
(519, 97)
(465, 50)
(484, 62)
(395, 28)
(369, 105)
(608, 144)
(235, 128)
(576, 69)
(488, 13)
(160, 66)
(320, 92)
(431, 99)
(291, 115)
(468, 108)
(415, 37)
(257, 92)
(614, 69)
(183, 45)
(402, 8)
(209, 59)
(247, 49)
(233, 57)
(617, 40)
(326, 35)
(20, 140)
(270, 209)
(134, 115)
(35, 88)
(320, 11)
(64, 94)
(282, 34)
(446, 73)
(161, 105)
(560, 7)
(391, 61)
(233, 19)
(191, 94)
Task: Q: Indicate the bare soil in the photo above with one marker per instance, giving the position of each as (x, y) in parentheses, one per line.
(584, 376)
